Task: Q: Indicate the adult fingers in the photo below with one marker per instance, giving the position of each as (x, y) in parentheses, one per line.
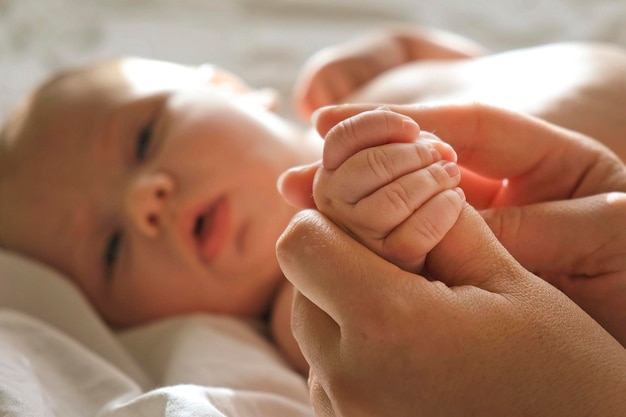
(578, 237)
(319, 398)
(309, 325)
(498, 143)
(579, 246)
(470, 254)
(296, 185)
(310, 251)
(479, 132)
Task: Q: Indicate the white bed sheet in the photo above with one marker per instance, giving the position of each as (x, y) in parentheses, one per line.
(57, 358)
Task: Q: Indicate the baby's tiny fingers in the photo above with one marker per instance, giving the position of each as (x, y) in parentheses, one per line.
(374, 168)
(409, 243)
(374, 217)
(366, 130)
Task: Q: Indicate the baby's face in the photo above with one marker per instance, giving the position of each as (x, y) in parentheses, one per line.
(155, 191)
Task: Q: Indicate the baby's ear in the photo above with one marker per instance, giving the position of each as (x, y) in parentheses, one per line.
(229, 83)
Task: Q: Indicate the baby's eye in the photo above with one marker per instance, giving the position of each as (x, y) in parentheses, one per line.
(144, 138)
(111, 253)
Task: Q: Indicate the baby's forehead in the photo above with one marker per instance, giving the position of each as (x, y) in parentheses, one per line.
(122, 77)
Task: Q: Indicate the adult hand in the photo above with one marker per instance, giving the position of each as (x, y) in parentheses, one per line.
(485, 338)
(560, 211)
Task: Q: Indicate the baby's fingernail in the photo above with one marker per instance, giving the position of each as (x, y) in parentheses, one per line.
(452, 169)
(436, 155)
(411, 128)
(460, 192)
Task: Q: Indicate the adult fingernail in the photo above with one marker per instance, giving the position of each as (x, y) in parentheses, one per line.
(316, 114)
(291, 171)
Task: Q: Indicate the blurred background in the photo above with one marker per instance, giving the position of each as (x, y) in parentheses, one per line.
(265, 41)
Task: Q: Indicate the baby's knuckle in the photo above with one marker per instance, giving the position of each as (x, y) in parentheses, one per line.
(380, 163)
(438, 174)
(422, 153)
(428, 232)
(399, 197)
(350, 127)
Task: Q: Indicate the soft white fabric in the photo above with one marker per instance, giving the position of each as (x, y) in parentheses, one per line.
(57, 358)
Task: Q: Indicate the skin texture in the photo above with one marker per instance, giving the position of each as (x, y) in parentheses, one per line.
(379, 162)
(389, 185)
(483, 335)
(538, 220)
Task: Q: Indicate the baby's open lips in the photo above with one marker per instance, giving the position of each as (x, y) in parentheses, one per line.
(211, 229)
(197, 230)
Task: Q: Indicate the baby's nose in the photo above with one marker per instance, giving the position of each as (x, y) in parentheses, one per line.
(147, 200)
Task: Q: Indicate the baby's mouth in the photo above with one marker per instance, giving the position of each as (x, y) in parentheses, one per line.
(211, 229)
(197, 231)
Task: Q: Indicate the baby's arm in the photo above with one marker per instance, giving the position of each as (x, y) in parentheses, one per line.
(333, 73)
(389, 185)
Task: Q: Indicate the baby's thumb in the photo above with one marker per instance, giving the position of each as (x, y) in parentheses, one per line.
(471, 255)
(296, 185)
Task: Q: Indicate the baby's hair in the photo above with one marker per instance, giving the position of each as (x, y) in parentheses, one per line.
(10, 130)
(14, 127)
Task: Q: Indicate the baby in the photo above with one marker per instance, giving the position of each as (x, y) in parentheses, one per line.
(152, 185)
(580, 86)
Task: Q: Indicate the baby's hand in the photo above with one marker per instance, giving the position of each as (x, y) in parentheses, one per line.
(391, 186)
(336, 72)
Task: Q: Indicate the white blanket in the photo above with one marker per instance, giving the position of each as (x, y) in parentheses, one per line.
(57, 358)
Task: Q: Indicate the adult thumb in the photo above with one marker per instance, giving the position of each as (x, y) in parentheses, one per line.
(296, 185)
(470, 254)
